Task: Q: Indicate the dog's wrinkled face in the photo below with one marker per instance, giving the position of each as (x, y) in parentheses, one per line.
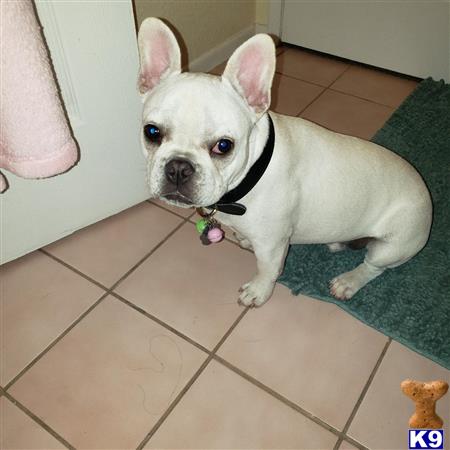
(202, 139)
(197, 128)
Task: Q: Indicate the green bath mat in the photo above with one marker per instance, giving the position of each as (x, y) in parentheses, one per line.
(411, 303)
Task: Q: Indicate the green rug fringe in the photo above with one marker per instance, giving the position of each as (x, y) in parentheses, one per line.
(411, 303)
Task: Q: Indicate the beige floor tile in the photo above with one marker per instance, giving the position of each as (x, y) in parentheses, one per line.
(290, 96)
(40, 298)
(192, 287)
(184, 212)
(107, 249)
(279, 50)
(107, 382)
(382, 420)
(347, 446)
(375, 85)
(18, 431)
(310, 67)
(222, 410)
(348, 115)
(310, 351)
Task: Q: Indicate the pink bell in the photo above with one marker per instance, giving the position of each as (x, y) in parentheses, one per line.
(215, 235)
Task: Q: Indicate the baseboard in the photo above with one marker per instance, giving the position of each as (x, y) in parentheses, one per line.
(221, 52)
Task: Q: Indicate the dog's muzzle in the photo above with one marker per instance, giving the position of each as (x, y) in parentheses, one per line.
(178, 171)
(178, 186)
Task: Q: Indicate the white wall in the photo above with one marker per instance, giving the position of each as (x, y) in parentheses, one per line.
(406, 36)
(209, 30)
(93, 45)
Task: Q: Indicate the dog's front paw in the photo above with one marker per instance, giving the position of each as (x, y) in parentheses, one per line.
(345, 286)
(342, 288)
(255, 293)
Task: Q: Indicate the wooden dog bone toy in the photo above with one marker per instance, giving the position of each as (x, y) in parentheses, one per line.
(425, 396)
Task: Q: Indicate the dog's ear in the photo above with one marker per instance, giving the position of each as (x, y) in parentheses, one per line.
(159, 53)
(250, 70)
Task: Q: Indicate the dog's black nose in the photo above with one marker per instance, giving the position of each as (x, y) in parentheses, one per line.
(178, 171)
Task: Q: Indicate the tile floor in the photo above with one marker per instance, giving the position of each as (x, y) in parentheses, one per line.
(127, 334)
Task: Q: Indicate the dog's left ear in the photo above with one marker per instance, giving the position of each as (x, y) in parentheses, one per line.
(250, 71)
(159, 53)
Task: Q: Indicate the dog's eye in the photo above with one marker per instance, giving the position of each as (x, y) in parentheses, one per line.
(222, 146)
(152, 133)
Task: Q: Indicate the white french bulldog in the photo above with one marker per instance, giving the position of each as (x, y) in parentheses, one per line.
(202, 134)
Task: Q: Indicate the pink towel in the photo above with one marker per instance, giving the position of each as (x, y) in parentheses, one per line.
(35, 139)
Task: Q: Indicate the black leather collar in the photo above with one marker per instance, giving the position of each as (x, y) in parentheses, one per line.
(227, 204)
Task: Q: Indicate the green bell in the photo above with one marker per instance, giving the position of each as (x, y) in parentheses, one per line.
(201, 225)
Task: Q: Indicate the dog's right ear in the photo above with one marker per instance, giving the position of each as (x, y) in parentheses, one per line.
(159, 53)
(250, 71)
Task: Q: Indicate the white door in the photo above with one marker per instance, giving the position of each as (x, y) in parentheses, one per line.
(93, 48)
(406, 36)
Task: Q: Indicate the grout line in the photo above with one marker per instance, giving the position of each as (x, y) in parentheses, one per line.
(350, 440)
(338, 443)
(282, 48)
(39, 421)
(351, 62)
(168, 210)
(212, 354)
(150, 253)
(301, 79)
(173, 404)
(100, 285)
(363, 98)
(73, 269)
(160, 322)
(339, 76)
(330, 87)
(324, 88)
(190, 383)
(279, 72)
(278, 396)
(364, 391)
(108, 291)
(230, 330)
(354, 443)
(323, 92)
(54, 342)
(311, 102)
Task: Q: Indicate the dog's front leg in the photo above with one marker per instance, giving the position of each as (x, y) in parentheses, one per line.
(269, 260)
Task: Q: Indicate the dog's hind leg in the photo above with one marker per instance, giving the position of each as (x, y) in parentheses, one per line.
(344, 286)
(381, 255)
(397, 245)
